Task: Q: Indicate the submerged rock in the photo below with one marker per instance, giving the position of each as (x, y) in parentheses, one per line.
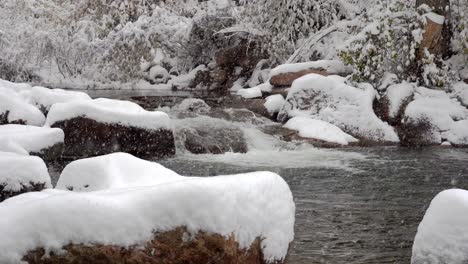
(177, 246)
(105, 126)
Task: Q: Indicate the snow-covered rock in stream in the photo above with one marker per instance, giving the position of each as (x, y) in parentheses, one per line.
(274, 103)
(103, 126)
(15, 110)
(41, 141)
(286, 74)
(319, 130)
(43, 98)
(20, 174)
(430, 116)
(442, 235)
(331, 100)
(246, 218)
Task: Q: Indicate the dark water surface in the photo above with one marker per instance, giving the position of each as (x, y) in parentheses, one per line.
(367, 213)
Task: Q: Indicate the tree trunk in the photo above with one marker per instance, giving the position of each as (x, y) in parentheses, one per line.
(441, 7)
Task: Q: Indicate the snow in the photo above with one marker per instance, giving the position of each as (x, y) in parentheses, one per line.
(28, 139)
(113, 171)
(317, 129)
(45, 97)
(331, 66)
(159, 73)
(193, 105)
(436, 107)
(18, 109)
(442, 235)
(250, 93)
(109, 111)
(397, 94)
(17, 87)
(461, 91)
(274, 103)
(331, 100)
(246, 206)
(19, 171)
(458, 133)
(438, 19)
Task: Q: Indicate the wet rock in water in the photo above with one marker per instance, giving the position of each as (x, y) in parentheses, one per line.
(177, 246)
(21, 174)
(105, 126)
(212, 140)
(44, 142)
(286, 74)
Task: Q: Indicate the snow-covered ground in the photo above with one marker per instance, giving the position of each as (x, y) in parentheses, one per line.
(232, 205)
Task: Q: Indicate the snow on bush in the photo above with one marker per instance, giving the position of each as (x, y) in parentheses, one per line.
(317, 129)
(19, 172)
(29, 139)
(442, 235)
(331, 100)
(109, 111)
(247, 206)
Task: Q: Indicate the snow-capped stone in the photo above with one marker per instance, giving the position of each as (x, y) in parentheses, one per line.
(20, 174)
(193, 105)
(461, 91)
(245, 207)
(286, 74)
(398, 95)
(106, 126)
(319, 130)
(113, 171)
(43, 98)
(458, 133)
(431, 113)
(442, 235)
(15, 110)
(159, 74)
(331, 100)
(42, 141)
(274, 103)
(249, 93)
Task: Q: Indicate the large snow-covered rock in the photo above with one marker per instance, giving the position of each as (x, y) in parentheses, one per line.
(461, 91)
(286, 74)
(319, 130)
(432, 114)
(443, 233)
(15, 110)
(103, 126)
(113, 171)
(329, 99)
(20, 174)
(43, 98)
(42, 141)
(245, 209)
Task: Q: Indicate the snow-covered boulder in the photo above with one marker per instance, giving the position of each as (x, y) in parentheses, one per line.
(103, 126)
(197, 106)
(113, 171)
(249, 93)
(246, 218)
(20, 174)
(286, 74)
(43, 98)
(432, 114)
(442, 235)
(319, 130)
(331, 100)
(15, 110)
(274, 103)
(461, 92)
(41, 141)
(393, 104)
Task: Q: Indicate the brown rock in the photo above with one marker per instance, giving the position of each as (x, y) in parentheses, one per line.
(87, 138)
(286, 79)
(173, 247)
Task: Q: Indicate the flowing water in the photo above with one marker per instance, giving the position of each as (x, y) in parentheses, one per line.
(354, 205)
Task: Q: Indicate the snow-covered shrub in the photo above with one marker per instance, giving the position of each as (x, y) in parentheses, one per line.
(460, 26)
(287, 22)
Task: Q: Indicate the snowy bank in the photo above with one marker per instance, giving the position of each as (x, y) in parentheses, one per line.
(106, 126)
(443, 233)
(241, 207)
(20, 174)
(43, 141)
(331, 100)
